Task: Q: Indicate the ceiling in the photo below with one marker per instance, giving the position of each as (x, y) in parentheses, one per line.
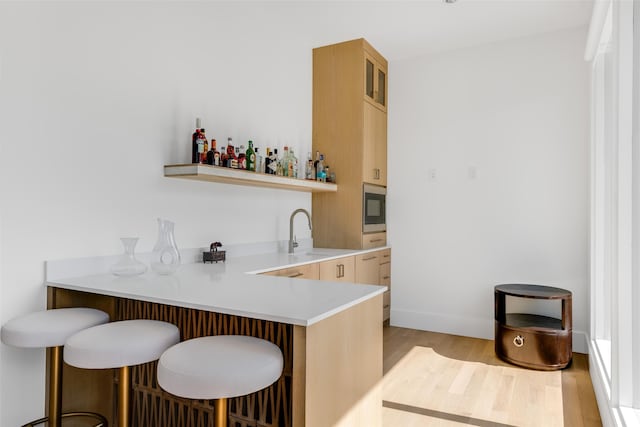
(404, 29)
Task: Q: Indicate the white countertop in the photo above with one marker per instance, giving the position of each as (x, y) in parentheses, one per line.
(233, 287)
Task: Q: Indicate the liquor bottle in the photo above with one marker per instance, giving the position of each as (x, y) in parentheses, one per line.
(285, 161)
(315, 165)
(223, 156)
(251, 157)
(321, 174)
(202, 140)
(216, 153)
(308, 167)
(267, 161)
(273, 165)
(231, 153)
(242, 157)
(293, 164)
(235, 163)
(259, 162)
(278, 162)
(194, 143)
(232, 160)
(327, 173)
(205, 151)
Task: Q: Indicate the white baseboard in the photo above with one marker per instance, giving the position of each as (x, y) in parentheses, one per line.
(475, 327)
(437, 322)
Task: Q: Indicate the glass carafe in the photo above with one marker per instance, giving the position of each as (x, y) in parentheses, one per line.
(165, 258)
(128, 265)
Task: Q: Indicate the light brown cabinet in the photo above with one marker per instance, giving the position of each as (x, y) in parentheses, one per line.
(374, 240)
(338, 270)
(375, 88)
(375, 146)
(350, 128)
(368, 268)
(375, 268)
(372, 268)
(385, 280)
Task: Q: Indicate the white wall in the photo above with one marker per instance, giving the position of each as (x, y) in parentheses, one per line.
(488, 179)
(94, 100)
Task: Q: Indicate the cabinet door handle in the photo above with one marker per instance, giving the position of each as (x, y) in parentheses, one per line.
(386, 277)
(370, 258)
(375, 240)
(341, 270)
(339, 273)
(386, 255)
(298, 274)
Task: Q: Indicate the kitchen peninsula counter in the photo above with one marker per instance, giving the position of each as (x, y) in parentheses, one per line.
(235, 287)
(330, 334)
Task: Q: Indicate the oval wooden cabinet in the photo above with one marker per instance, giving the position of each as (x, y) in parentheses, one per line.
(531, 340)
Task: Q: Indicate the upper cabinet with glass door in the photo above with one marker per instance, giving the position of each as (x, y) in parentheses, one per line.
(375, 79)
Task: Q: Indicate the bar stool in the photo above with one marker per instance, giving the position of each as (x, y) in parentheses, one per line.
(50, 329)
(219, 367)
(120, 345)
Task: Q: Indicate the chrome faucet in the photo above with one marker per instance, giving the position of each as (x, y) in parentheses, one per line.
(292, 240)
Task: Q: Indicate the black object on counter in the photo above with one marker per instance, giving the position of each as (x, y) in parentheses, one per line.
(214, 255)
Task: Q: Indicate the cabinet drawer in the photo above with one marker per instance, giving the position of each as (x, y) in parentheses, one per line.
(374, 240)
(338, 270)
(544, 350)
(307, 271)
(385, 274)
(368, 268)
(385, 256)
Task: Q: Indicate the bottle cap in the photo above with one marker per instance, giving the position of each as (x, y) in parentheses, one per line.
(321, 156)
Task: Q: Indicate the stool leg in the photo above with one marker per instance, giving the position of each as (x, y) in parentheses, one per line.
(55, 387)
(123, 396)
(221, 412)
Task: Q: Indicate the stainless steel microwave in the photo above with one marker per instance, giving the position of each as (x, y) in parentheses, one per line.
(374, 207)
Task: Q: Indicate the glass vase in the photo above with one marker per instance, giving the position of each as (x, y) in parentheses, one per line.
(128, 265)
(165, 258)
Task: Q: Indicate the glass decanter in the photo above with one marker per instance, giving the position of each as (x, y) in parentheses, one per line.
(165, 258)
(128, 265)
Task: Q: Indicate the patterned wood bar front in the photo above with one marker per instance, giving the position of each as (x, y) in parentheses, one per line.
(152, 406)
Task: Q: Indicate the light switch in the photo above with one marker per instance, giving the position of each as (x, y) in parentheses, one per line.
(472, 172)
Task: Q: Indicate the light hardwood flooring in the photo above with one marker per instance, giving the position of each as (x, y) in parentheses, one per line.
(433, 379)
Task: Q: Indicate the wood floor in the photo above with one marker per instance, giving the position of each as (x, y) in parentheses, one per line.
(450, 392)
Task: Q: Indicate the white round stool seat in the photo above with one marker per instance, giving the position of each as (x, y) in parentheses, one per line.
(219, 367)
(120, 344)
(50, 328)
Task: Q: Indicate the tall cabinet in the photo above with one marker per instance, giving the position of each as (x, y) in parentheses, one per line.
(350, 129)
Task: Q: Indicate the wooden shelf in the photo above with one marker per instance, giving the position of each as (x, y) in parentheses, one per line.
(200, 172)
